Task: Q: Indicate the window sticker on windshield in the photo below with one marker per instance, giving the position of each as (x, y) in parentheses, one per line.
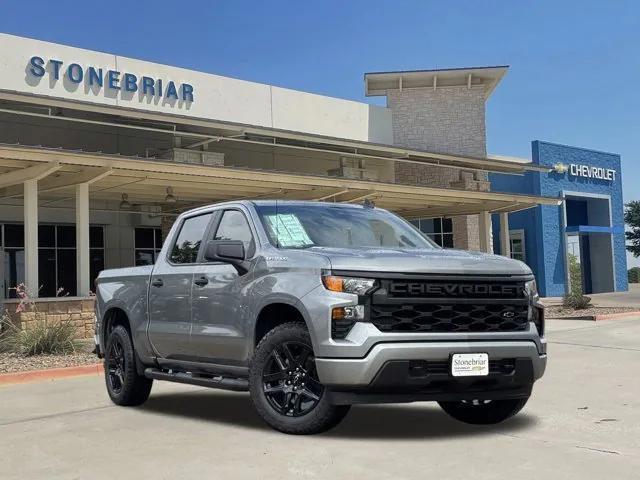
(289, 231)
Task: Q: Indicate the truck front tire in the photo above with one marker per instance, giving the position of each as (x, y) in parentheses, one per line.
(284, 385)
(124, 385)
(487, 412)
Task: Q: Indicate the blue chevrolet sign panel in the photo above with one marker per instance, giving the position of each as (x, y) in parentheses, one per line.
(111, 79)
(588, 229)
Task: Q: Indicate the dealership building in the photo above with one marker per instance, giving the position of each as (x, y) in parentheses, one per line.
(99, 153)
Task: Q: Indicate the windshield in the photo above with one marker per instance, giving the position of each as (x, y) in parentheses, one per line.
(322, 225)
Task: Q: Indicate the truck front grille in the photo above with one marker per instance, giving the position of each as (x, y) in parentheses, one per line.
(441, 317)
(442, 304)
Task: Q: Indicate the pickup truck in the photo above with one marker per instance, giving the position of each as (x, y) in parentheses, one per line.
(313, 307)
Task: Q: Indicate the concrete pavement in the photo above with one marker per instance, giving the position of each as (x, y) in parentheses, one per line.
(583, 421)
(629, 299)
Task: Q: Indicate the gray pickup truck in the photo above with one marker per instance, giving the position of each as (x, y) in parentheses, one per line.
(313, 307)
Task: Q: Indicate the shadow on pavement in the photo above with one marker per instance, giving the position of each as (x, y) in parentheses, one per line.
(363, 421)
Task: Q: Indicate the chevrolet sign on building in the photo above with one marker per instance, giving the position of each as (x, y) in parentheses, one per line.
(587, 171)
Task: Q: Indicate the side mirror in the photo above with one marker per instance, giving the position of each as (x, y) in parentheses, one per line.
(227, 251)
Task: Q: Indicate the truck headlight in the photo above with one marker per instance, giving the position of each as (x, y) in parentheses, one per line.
(353, 312)
(536, 310)
(358, 286)
(531, 289)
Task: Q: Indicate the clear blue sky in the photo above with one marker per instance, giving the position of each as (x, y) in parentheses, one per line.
(575, 65)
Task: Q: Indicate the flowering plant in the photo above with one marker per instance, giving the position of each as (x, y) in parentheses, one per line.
(42, 336)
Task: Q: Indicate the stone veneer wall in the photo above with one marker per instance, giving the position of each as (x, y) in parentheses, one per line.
(80, 311)
(444, 120)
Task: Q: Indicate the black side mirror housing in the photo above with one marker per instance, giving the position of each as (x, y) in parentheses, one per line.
(227, 251)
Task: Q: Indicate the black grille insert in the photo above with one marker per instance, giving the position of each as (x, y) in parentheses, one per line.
(456, 305)
(341, 328)
(440, 317)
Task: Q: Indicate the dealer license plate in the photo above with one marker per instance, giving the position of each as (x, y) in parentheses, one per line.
(469, 364)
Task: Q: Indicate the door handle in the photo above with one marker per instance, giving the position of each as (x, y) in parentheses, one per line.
(201, 282)
(157, 282)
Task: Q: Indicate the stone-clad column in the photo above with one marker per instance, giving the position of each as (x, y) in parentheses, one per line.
(444, 120)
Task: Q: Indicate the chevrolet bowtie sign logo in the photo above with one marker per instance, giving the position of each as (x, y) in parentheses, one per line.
(560, 168)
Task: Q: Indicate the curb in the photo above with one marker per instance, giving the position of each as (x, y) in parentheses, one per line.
(604, 316)
(616, 316)
(50, 374)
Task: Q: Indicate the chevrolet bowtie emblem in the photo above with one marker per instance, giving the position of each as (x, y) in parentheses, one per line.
(560, 168)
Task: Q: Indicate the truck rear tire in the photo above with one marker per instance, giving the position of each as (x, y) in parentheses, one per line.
(124, 385)
(284, 385)
(484, 412)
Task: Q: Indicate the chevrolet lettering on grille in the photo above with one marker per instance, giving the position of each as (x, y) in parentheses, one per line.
(455, 289)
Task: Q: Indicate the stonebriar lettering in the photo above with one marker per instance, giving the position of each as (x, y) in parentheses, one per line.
(111, 79)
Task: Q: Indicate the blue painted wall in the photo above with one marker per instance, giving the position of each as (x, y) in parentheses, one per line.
(542, 225)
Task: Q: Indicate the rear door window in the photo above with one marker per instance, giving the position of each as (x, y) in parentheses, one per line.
(187, 244)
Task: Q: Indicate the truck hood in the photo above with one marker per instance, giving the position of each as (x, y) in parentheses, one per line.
(440, 261)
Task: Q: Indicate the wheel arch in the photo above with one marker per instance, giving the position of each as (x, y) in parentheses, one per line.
(113, 317)
(278, 312)
(116, 316)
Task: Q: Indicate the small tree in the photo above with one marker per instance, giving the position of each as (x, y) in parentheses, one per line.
(632, 219)
(575, 275)
(575, 298)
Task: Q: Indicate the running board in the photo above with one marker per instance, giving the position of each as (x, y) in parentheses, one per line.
(217, 381)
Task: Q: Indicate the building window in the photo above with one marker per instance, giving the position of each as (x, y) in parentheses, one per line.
(147, 245)
(12, 238)
(516, 238)
(440, 230)
(56, 258)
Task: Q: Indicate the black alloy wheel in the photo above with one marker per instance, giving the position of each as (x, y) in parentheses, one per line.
(285, 387)
(290, 381)
(116, 366)
(125, 385)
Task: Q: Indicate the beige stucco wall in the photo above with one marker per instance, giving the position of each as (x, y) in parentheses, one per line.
(215, 97)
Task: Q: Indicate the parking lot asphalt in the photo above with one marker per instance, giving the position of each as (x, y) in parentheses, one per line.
(583, 421)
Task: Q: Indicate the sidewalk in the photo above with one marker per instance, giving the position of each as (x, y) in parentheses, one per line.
(614, 299)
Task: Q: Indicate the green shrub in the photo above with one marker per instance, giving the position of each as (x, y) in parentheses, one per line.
(577, 302)
(633, 275)
(42, 337)
(6, 330)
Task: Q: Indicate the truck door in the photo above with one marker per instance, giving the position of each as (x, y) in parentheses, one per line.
(170, 289)
(219, 310)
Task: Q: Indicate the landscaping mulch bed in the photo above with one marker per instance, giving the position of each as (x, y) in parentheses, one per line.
(11, 362)
(557, 311)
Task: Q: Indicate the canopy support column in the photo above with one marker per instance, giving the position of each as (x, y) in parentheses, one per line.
(484, 224)
(505, 243)
(31, 237)
(82, 240)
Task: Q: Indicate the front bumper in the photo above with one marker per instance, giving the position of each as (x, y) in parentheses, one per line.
(419, 371)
